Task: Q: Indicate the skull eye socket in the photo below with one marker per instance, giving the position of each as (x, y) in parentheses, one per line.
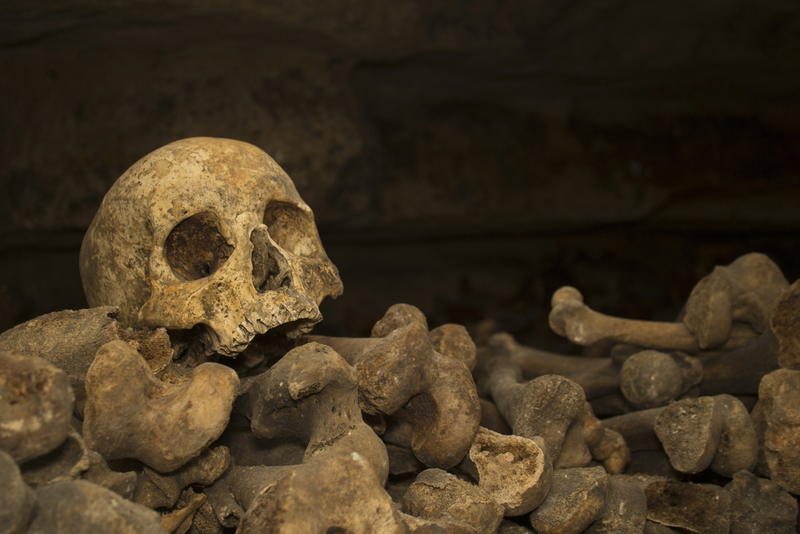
(195, 248)
(291, 228)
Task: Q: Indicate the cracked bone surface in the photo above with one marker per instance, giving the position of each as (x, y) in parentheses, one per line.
(698, 508)
(36, 404)
(211, 232)
(576, 499)
(132, 414)
(513, 470)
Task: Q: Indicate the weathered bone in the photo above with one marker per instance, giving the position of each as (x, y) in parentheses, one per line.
(700, 508)
(73, 460)
(36, 403)
(513, 470)
(437, 495)
(760, 505)
(776, 418)
(132, 414)
(335, 492)
(311, 396)
(17, 498)
(740, 371)
(576, 499)
(650, 378)
(744, 291)
(157, 490)
(571, 318)
(63, 506)
(208, 232)
(624, 511)
(436, 392)
(738, 443)
(546, 406)
(690, 432)
(179, 521)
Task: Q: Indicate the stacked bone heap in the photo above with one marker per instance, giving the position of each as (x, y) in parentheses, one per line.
(191, 397)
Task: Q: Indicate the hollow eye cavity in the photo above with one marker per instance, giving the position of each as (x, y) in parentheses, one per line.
(292, 229)
(195, 248)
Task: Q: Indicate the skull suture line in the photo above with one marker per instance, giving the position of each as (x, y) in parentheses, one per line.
(212, 232)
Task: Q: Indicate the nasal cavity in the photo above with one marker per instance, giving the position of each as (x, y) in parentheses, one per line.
(270, 268)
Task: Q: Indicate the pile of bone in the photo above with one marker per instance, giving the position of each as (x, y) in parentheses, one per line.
(692, 425)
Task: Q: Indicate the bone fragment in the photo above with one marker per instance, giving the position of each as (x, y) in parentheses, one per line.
(311, 396)
(454, 341)
(744, 291)
(740, 370)
(436, 494)
(760, 505)
(624, 511)
(156, 490)
(571, 318)
(697, 508)
(16, 498)
(179, 521)
(657, 528)
(36, 403)
(73, 460)
(738, 444)
(574, 451)
(575, 500)
(337, 493)
(689, 431)
(132, 414)
(80, 507)
(653, 463)
(776, 417)
(513, 470)
(396, 317)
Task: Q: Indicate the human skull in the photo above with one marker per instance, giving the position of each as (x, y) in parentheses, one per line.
(209, 232)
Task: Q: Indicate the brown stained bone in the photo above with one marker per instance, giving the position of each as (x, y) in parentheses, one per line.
(776, 418)
(574, 451)
(17, 498)
(605, 445)
(36, 403)
(597, 376)
(163, 491)
(453, 340)
(744, 291)
(650, 378)
(738, 444)
(311, 396)
(437, 495)
(689, 431)
(73, 460)
(80, 507)
(492, 419)
(624, 511)
(571, 318)
(396, 317)
(546, 406)
(132, 414)
(637, 428)
(337, 493)
(179, 521)
(576, 499)
(513, 470)
(69, 340)
(436, 392)
(760, 505)
(697, 508)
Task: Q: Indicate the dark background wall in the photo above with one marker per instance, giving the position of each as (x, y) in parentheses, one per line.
(466, 157)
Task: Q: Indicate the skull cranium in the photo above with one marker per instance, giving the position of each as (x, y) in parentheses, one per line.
(210, 232)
